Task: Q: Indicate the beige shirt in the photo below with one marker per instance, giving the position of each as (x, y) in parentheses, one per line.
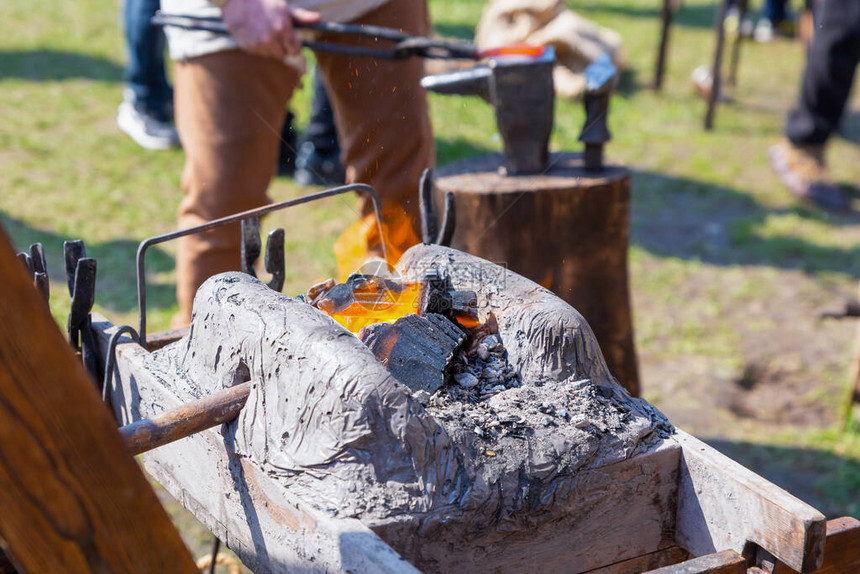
(186, 44)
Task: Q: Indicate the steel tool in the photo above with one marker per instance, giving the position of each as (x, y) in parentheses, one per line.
(520, 88)
(599, 80)
(402, 44)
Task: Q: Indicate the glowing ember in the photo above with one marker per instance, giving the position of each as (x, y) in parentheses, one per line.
(368, 299)
(375, 305)
(527, 50)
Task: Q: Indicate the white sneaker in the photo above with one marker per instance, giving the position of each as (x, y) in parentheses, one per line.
(764, 31)
(148, 130)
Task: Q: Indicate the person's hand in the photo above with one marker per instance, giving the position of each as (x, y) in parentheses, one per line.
(265, 27)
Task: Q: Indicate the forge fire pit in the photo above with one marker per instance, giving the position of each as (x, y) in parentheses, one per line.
(339, 463)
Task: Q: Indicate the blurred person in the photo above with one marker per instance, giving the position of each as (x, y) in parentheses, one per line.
(231, 98)
(774, 21)
(318, 156)
(317, 159)
(146, 112)
(831, 64)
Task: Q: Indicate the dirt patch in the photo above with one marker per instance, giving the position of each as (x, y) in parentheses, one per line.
(747, 345)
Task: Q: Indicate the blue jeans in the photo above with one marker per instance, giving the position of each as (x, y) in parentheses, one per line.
(145, 43)
(775, 11)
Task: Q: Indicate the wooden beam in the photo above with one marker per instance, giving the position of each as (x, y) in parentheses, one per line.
(841, 551)
(723, 505)
(645, 562)
(725, 562)
(72, 498)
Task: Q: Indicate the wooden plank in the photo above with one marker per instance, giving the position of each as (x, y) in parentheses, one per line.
(155, 341)
(841, 551)
(723, 505)
(72, 498)
(270, 527)
(724, 562)
(650, 561)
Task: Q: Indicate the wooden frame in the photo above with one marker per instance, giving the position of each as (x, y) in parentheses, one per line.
(688, 500)
(72, 497)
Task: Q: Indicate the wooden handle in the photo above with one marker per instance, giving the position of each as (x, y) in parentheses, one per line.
(207, 412)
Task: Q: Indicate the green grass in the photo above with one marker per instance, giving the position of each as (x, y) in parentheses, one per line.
(727, 270)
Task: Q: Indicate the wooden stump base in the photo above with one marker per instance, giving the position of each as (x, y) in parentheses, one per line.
(566, 229)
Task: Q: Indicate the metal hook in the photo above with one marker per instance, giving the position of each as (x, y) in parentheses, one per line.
(34, 263)
(73, 251)
(40, 270)
(251, 244)
(26, 261)
(83, 297)
(429, 224)
(275, 261)
(449, 221)
(111, 359)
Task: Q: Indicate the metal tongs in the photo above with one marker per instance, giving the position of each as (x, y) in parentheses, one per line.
(403, 45)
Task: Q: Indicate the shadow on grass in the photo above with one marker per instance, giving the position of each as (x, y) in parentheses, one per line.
(41, 65)
(820, 478)
(116, 287)
(689, 219)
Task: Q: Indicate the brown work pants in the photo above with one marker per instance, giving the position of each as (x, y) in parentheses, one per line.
(229, 110)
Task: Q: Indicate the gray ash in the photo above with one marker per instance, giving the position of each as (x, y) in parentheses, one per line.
(481, 370)
(480, 373)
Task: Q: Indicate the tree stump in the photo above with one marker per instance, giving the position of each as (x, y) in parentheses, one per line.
(566, 229)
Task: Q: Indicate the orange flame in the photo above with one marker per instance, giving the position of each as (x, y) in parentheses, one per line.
(377, 304)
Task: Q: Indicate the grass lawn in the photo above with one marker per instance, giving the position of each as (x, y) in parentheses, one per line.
(728, 272)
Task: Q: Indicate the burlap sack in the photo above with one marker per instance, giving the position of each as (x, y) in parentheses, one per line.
(577, 41)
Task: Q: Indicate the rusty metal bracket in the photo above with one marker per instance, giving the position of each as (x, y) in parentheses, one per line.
(272, 256)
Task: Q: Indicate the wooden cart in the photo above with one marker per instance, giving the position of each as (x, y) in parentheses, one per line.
(683, 507)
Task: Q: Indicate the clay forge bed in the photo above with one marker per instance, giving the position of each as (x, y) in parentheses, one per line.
(497, 441)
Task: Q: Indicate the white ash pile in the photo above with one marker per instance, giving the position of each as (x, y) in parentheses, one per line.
(482, 370)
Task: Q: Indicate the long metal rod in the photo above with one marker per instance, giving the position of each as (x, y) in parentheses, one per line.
(403, 44)
(217, 25)
(717, 71)
(736, 45)
(186, 420)
(258, 212)
(666, 16)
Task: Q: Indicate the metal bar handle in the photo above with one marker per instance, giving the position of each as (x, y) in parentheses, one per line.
(258, 212)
